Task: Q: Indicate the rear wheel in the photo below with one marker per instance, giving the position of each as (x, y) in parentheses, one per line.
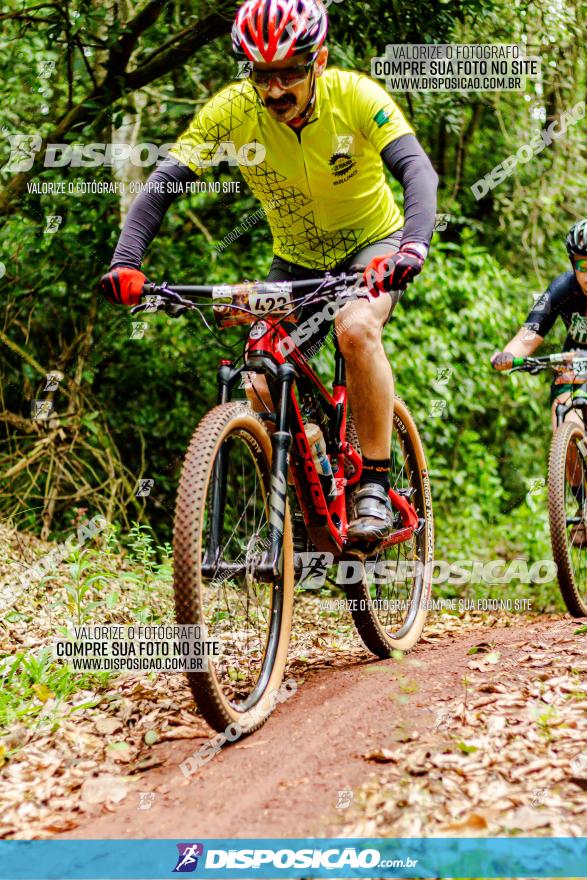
(220, 533)
(391, 587)
(567, 510)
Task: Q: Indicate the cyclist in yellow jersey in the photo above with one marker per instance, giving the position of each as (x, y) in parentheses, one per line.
(311, 143)
(322, 183)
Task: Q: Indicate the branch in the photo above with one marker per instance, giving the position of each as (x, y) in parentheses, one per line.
(199, 225)
(153, 93)
(69, 61)
(22, 354)
(78, 43)
(27, 14)
(26, 425)
(117, 84)
(192, 39)
(124, 47)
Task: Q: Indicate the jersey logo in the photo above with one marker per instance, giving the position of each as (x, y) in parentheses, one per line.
(578, 328)
(343, 167)
(381, 117)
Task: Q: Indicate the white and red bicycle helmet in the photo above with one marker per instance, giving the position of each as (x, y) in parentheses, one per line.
(271, 30)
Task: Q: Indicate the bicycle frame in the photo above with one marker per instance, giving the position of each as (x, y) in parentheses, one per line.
(573, 361)
(563, 409)
(326, 521)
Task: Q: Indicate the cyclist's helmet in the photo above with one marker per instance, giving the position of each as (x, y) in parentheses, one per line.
(577, 239)
(271, 30)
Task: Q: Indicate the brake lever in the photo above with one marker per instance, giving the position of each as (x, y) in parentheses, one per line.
(174, 310)
(153, 304)
(143, 307)
(171, 302)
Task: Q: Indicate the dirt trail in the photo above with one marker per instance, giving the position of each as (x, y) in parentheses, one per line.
(284, 780)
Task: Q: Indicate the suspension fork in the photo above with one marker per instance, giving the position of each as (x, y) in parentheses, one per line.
(271, 565)
(225, 380)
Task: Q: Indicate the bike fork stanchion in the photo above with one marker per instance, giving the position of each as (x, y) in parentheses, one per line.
(271, 566)
(225, 380)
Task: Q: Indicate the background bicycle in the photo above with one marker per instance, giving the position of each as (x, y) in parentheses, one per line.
(567, 483)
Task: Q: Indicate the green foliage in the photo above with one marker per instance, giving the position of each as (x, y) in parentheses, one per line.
(32, 688)
(126, 582)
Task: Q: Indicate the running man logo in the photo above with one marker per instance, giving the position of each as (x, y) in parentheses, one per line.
(144, 488)
(441, 222)
(53, 223)
(46, 70)
(138, 329)
(23, 150)
(146, 799)
(187, 860)
(244, 69)
(437, 409)
(345, 799)
(41, 409)
(52, 381)
(443, 375)
(314, 567)
(343, 144)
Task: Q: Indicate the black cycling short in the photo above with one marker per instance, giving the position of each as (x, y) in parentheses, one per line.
(281, 270)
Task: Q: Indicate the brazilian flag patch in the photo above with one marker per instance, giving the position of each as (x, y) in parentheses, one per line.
(381, 117)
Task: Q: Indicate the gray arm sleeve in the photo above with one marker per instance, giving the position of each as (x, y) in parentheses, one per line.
(148, 209)
(409, 164)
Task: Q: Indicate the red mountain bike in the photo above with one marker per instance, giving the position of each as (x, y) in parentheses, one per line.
(233, 548)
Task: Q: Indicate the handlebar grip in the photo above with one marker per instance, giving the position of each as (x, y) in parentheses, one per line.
(148, 288)
(518, 362)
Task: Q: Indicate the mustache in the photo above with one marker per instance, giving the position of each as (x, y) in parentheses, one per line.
(283, 101)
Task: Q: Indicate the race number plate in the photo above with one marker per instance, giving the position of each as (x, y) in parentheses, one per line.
(245, 303)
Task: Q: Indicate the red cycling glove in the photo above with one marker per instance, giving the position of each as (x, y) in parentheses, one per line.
(394, 271)
(123, 285)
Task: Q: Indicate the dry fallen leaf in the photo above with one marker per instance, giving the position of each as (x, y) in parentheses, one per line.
(103, 788)
(473, 822)
(527, 819)
(108, 725)
(181, 732)
(252, 745)
(381, 756)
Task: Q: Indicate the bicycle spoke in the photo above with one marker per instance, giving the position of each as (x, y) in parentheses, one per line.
(237, 608)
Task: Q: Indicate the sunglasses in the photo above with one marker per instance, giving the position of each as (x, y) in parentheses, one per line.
(580, 265)
(286, 77)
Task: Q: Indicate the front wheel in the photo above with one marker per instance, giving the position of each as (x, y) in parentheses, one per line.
(220, 533)
(390, 590)
(567, 511)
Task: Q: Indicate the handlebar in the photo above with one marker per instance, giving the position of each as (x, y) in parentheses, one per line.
(179, 298)
(575, 361)
(209, 291)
